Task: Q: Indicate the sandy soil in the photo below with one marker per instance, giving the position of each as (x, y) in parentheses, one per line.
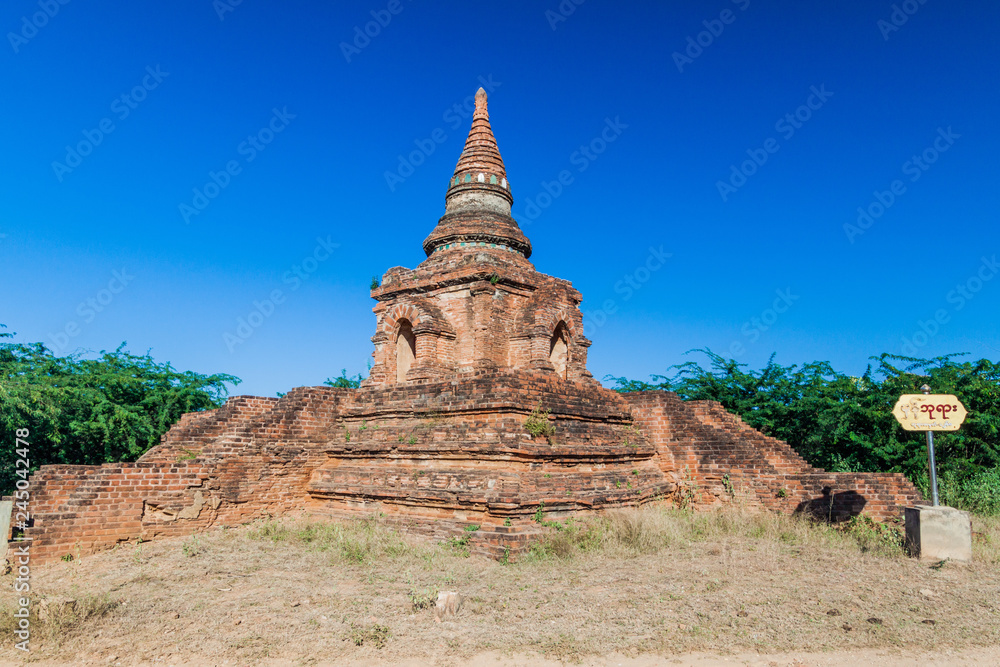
(228, 599)
(860, 657)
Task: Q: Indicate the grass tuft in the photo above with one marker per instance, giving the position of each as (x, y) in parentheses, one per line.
(649, 580)
(60, 622)
(652, 529)
(362, 541)
(374, 635)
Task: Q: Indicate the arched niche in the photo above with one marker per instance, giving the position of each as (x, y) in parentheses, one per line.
(559, 349)
(406, 349)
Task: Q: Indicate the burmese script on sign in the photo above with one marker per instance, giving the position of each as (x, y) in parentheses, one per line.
(929, 412)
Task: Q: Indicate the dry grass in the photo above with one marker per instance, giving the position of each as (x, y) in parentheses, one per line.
(632, 532)
(61, 623)
(636, 581)
(986, 539)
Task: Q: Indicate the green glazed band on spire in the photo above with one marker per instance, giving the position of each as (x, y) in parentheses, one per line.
(480, 168)
(478, 200)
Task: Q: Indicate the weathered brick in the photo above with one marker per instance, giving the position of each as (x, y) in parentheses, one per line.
(442, 445)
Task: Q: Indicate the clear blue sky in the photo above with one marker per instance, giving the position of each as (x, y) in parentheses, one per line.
(309, 129)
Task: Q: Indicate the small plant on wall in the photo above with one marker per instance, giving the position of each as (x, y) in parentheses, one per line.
(538, 424)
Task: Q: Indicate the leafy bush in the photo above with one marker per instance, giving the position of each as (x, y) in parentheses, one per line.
(885, 539)
(979, 493)
(345, 382)
(92, 411)
(424, 599)
(374, 634)
(845, 424)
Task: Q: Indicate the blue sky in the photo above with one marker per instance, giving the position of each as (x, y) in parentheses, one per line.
(172, 167)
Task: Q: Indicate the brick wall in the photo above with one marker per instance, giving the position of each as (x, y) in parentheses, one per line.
(487, 308)
(722, 458)
(437, 456)
(448, 447)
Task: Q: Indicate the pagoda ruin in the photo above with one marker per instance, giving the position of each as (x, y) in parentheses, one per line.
(479, 412)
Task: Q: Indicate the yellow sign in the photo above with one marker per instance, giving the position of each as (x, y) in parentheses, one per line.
(929, 412)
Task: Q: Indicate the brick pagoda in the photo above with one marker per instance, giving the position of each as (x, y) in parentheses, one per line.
(479, 410)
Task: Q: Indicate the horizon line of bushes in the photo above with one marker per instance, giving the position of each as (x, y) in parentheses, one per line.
(118, 406)
(844, 423)
(92, 411)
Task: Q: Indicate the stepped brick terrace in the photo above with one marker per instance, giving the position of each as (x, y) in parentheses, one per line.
(479, 411)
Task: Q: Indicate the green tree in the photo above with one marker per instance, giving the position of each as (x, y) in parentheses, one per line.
(91, 411)
(345, 382)
(845, 423)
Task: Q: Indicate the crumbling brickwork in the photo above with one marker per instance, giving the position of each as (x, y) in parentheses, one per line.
(719, 459)
(437, 456)
(476, 302)
(479, 410)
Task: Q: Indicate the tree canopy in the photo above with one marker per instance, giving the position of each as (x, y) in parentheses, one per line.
(91, 411)
(343, 381)
(844, 423)
(117, 406)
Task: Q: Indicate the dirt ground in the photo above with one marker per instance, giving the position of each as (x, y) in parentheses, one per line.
(857, 657)
(279, 594)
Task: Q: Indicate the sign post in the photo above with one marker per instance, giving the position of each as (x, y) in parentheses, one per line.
(930, 412)
(934, 531)
(930, 456)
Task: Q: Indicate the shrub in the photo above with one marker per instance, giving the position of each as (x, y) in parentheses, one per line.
(881, 538)
(91, 411)
(979, 493)
(424, 599)
(538, 423)
(343, 381)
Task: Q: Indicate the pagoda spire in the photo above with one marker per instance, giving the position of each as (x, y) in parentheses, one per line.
(480, 167)
(478, 200)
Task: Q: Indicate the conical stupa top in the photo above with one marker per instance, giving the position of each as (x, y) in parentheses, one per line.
(478, 200)
(480, 167)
